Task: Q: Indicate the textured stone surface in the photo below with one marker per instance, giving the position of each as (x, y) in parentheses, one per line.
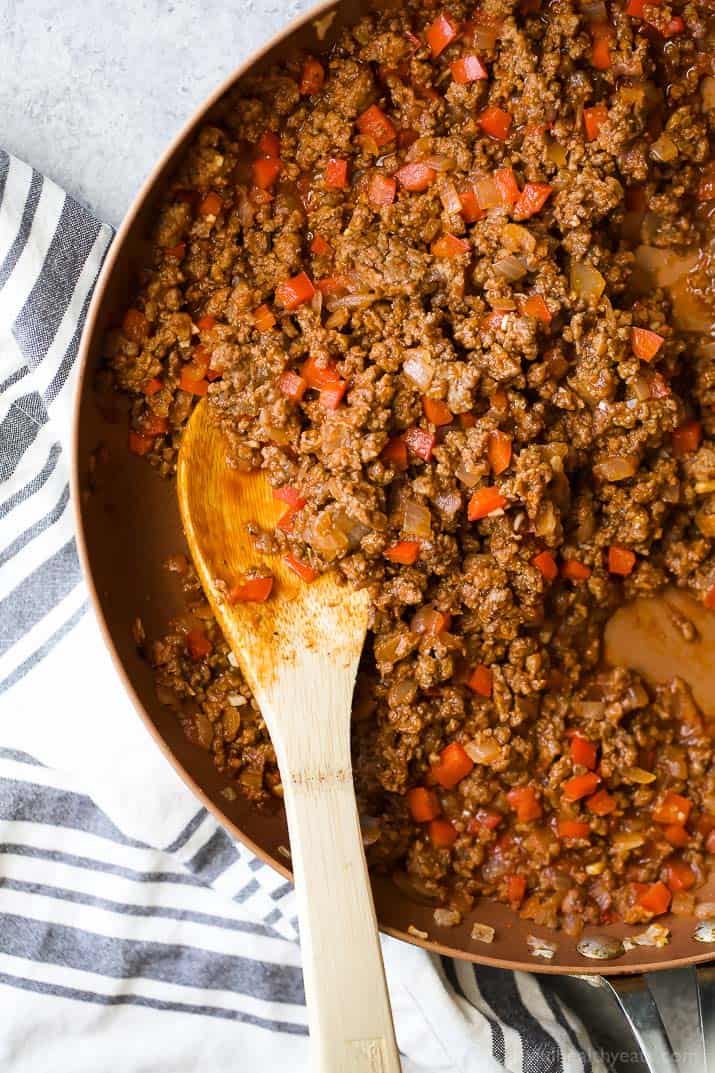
(91, 91)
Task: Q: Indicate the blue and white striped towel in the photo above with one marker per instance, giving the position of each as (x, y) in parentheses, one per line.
(135, 936)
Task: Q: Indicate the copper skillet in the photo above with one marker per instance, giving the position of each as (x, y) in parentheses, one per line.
(128, 523)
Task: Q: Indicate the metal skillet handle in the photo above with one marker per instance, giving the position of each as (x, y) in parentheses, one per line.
(672, 1018)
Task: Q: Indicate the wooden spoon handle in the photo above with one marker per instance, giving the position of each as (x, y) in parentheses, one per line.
(348, 1006)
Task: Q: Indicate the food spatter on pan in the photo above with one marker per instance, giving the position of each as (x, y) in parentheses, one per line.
(452, 287)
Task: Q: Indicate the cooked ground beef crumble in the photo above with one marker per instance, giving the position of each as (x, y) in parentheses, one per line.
(451, 287)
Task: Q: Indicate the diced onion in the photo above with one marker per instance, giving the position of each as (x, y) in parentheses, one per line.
(707, 92)
(350, 301)
(626, 840)
(510, 268)
(664, 149)
(485, 39)
(417, 520)
(402, 692)
(616, 467)
(639, 776)
(447, 918)
(641, 388)
(586, 281)
(370, 830)
(448, 502)
(426, 620)
(591, 709)
(439, 162)
(327, 539)
(664, 267)
(450, 198)
(482, 933)
(517, 238)
(484, 750)
(391, 647)
(705, 910)
(418, 367)
(469, 474)
(488, 194)
(556, 153)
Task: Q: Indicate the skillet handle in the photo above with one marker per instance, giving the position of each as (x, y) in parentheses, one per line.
(671, 1018)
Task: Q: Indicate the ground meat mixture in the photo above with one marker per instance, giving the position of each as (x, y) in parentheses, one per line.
(451, 287)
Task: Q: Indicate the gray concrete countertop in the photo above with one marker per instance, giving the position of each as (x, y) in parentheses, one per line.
(91, 91)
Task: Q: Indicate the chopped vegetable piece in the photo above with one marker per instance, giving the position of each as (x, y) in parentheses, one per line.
(656, 898)
(484, 817)
(495, 122)
(331, 397)
(620, 560)
(440, 33)
(709, 598)
(263, 318)
(676, 835)
(442, 834)
(467, 420)
(686, 438)
(507, 186)
(404, 552)
(395, 452)
(320, 376)
(416, 177)
(255, 590)
(481, 681)
(525, 803)
(377, 125)
(499, 451)
(135, 325)
(152, 386)
(139, 443)
(319, 246)
(294, 292)
(674, 808)
(331, 285)
(448, 245)
(269, 145)
(381, 190)
(573, 829)
(484, 502)
(601, 803)
(312, 77)
(423, 804)
(304, 571)
(436, 412)
(198, 644)
(602, 35)
(421, 443)
(206, 323)
(336, 174)
(468, 69)
(515, 890)
(645, 344)
(575, 571)
(470, 207)
(706, 190)
(189, 381)
(453, 766)
(292, 385)
(210, 205)
(178, 251)
(295, 501)
(265, 172)
(153, 425)
(583, 752)
(579, 786)
(546, 563)
(533, 198)
(535, 306)
(593, 119)
(636, 7)
(673, 27)
(678, 874)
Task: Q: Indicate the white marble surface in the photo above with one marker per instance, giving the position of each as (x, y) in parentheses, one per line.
(92, 90)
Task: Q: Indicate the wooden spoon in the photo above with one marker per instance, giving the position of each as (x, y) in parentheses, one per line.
(299, 652)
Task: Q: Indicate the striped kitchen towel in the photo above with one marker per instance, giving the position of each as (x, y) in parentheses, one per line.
(135, 936)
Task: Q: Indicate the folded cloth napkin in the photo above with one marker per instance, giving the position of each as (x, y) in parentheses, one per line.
(135, 935)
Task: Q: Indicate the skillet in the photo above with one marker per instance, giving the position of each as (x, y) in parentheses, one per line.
(128, 524)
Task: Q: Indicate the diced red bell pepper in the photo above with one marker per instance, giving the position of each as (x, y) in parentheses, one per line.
(601, 803)
(255, 590)
(331, 285)
(294, 292)
(526, 804)
(593, 119)
(484, 817)
(375, 124)
(319, 375)
(291, 496)
(676, 835)
(495, 122)
(404, 552)
(206, 323)
(153, 425)
(211, 204)
(467, 420)
(515, 890)
(468, 68)
(135, 325)
(573, 829)
(470, 206)
(602, 36)
(499, 451)
(423, 804)
(505, 181)
(420, 443)
(381, 190)
(319, 246)
(573, 570)
(655, 899)
(533, 198)
(709, 598)
(395, 452)
(686, 438)
(269, 145)
(440, 33)
(198, 644)
(304, 571)
(635, 8)
(579, 786)
(436, 412)
(263, 318)
(673, 27)
(292, 385)
(484, 502)
(190, 382)
(481, 681)
(620, 560)
(312, 77)
(152, 386)
(178, 252)
(331, 397)
(442, 834)
(336, 174)
(448, 245)
(583, 752)
(454, 765)
(535, 306)
(645, 344)
(546, 563)
(678, 875)
(416, 177)
(265, 172)
(139, 443)
(674, 808)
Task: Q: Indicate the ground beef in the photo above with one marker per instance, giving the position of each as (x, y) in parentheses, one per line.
(489, 378)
